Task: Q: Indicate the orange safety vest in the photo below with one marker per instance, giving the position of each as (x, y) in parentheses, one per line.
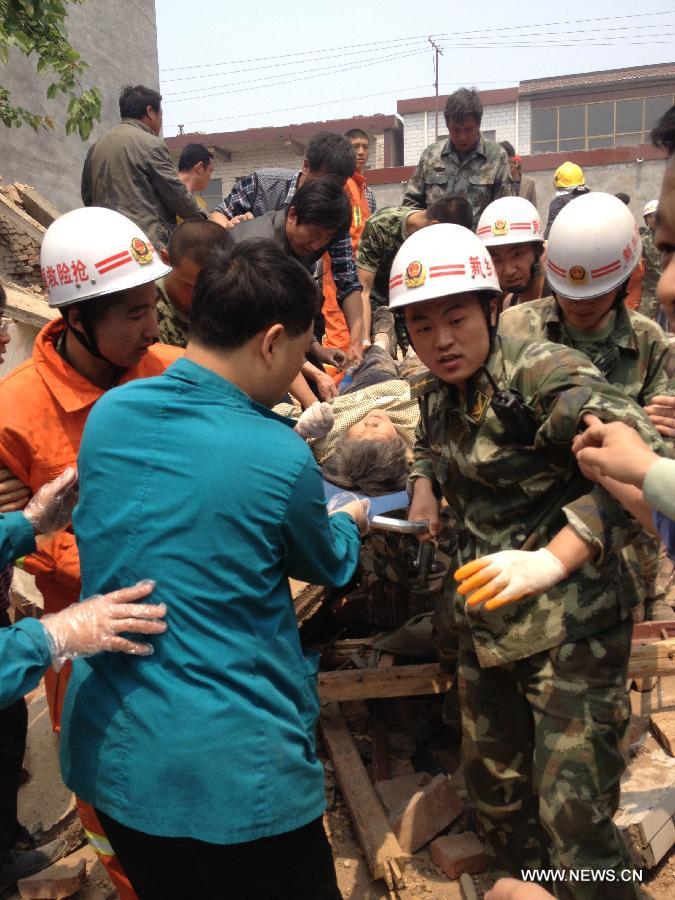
(337, 333)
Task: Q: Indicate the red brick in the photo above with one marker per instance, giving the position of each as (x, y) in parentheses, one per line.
(428, 811)
(455, 854)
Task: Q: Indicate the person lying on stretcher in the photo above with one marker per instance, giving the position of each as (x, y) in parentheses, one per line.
(368, 447)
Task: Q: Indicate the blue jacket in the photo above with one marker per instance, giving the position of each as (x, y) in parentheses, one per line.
(185, 480)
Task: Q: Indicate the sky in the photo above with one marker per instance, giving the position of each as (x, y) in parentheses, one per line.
(228, 66)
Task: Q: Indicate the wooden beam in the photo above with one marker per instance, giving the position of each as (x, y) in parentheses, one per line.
(370, 684)
(655, 658)
(37, 206)
(380, 847)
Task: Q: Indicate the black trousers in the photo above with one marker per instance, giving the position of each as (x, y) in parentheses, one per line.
(297, 865)
(13, 728)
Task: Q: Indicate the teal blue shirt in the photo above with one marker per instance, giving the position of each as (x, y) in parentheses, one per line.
(185, 480)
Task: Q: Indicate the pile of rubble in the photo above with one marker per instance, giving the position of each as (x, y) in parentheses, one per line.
(25, 215)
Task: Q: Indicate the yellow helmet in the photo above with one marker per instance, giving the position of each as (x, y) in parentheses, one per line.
(568, 175)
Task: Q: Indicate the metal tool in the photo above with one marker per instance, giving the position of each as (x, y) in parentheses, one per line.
(400, 526)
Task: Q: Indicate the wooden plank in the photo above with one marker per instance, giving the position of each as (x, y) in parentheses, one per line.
(377, 840)
(657, 658)
(308, 602)
(371, 684)
(653, 631)
(663, 729)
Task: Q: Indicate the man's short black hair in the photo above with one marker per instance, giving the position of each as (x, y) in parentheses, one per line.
(453, 210)
(624, 198)
(134, 101)
(193, 154)
(461, 104)
(510, 149)
(355, 133)
(248, 288)
(663, 133)
(196, 239)
(332, 153)
(322, 202)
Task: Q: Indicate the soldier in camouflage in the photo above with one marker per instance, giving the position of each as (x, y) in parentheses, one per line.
(464, 164)
(544, 630)
(382, 237)
(649, 305)
(588, 314)
(190, 245)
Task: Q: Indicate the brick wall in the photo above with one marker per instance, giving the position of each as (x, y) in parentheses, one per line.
(524, 128)
(19, 247)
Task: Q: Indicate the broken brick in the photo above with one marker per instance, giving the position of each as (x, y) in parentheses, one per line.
(428, 811)
(455, 854)
(61, 880)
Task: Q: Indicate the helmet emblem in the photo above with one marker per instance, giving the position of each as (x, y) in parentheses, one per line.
(141, 251)
(415, 274)
(577, 273)
(500, 226)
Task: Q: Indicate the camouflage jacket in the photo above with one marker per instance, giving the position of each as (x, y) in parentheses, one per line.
(504, 491)
(174, 326)
(649, 305)
(483, 175)
(636, 355)
(380, 242)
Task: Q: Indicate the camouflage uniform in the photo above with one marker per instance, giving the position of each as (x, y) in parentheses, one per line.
(541, 681)
(636, 356)
(174, 326)
(481, 175)
(380, 242)
(649, 305)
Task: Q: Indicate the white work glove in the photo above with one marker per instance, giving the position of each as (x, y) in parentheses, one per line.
(355, 507)
(96, 624)
(510, 575)
(50, 508)
(316, 421)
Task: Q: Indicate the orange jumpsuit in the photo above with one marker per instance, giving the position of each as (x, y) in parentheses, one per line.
(337, 333)
(45, 404)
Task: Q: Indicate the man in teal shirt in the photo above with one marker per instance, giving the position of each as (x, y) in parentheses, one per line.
(202, 759)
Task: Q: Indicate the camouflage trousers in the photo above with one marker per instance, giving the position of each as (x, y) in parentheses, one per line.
(542, 749)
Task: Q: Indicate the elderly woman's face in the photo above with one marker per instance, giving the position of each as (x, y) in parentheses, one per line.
(376, 426)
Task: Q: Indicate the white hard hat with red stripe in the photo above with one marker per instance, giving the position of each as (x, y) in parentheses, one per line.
(593, 247)
(650, 208)
(440, 260)
(92, 252)
(510, 220)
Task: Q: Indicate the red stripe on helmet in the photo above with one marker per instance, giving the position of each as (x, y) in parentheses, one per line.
(605, 270)
(395, 281)
(109, 259)
(558, 271)
(113, 265)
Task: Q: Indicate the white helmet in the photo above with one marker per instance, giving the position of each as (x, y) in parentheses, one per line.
(510, 220)
(593, 247)
(650, 208)
(439, 260)
(91, 252)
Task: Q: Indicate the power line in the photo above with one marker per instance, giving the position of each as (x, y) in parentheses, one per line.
(370, 44)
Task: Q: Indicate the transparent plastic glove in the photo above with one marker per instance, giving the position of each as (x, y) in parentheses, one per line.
(51, 507)
(510, 575)
(316, 421)
(349, 503)
(96, 624)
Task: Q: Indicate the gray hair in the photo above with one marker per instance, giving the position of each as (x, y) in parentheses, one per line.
(463, 103)
(369, 467)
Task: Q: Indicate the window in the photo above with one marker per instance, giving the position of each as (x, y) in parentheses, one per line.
(592, 126)
(213, 194)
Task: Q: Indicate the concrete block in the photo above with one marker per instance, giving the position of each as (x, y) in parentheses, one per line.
(396, 792)
(428, 812)
(63, 879)
(456, 854)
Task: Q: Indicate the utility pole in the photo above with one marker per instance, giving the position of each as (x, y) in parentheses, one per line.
(180, 129)
(437, 51)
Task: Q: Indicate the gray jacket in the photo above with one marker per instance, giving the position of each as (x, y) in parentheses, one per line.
(131, 171)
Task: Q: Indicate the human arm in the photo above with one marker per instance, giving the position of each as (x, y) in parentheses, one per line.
(163, 176)
(319, 549)
(301, 391)
(367, 278)
(222, 220)
(240, 199)
(331, 356)
(324, 383)
(503, 183)
(29, 647)
(348, 290)
(85, 183)
(416, 191)
(14, 494)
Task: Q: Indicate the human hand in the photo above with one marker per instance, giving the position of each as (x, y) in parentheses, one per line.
(662, 413)
(512, 889)
(52, 506)
(325, 386)
(507, 576)
(235, 220)
(349, 503)
(425, 505)
(316, 421)
(331, 356)
(613, 449)
(97, 624)
(354, 354)
(14, 494)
